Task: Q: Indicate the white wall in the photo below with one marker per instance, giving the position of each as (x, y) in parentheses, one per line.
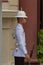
(8, 24)
(0, 36)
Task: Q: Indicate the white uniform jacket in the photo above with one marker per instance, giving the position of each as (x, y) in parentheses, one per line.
(20, 50)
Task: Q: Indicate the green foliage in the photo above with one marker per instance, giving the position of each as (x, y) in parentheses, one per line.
(40, 46)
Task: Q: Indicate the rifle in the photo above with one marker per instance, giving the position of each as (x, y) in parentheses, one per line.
(31, 52)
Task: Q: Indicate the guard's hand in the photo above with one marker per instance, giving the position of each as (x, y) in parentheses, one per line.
(27, 58)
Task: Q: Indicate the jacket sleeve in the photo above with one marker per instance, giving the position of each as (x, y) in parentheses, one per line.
(21, 42)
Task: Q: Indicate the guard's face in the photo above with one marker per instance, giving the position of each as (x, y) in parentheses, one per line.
(24, 20)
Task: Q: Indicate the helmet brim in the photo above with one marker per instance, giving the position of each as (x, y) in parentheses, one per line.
(21, 17)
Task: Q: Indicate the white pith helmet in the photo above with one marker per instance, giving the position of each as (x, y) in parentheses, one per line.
(21, 14)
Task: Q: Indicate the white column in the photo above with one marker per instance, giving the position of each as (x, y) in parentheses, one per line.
(0, 35)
